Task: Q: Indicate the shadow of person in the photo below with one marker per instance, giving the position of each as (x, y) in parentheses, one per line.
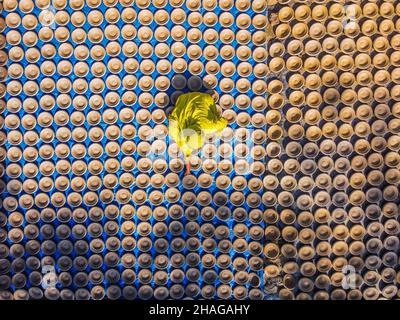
(185, 83)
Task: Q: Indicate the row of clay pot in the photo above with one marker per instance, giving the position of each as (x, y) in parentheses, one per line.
(27, 6)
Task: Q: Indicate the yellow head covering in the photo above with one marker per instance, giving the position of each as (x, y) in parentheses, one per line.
(195, 114)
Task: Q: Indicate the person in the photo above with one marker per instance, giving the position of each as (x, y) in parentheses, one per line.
(194, 116)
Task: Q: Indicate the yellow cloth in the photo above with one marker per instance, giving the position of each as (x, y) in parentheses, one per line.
(194, 113)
